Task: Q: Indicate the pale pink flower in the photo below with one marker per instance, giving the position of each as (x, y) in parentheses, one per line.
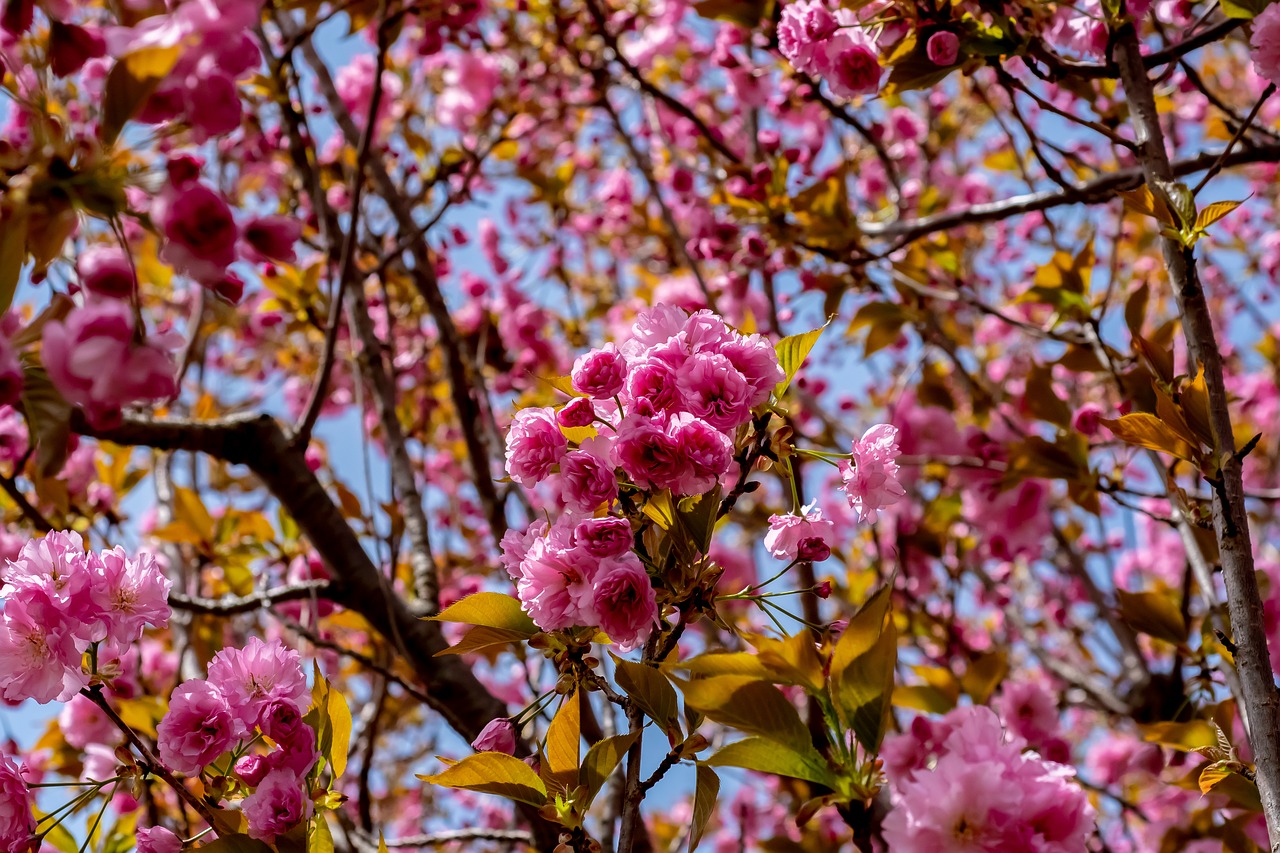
(257, 674)
(277, 805)
(803, 31)
(498, 736)
(1265, 42)
(1029, 709)
(534, 445)
(871, 481)
(625, 602)
(16, 823)
(470, 79)
(653, 326)
(199, 726)
(555, 586)
(39, 657)
(957, 807)
(786, 532)
(55, 565)
(157, 839)
(131, 593)
(515, 545)
(95, 361)
(586, 481)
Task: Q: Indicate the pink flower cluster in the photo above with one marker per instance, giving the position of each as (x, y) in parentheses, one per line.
(1265, 42)
(802, 536)
(16, 823)
(59, 601)
(871, 475)
(832, 45)
(963, 784)
(257, 689)
(582, 571)
(659, 413)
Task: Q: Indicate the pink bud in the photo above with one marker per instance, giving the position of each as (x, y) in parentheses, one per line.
(943, 48)
(814, 550)
(498, 736)
(251, 769)
(823, 590)
(578, 413)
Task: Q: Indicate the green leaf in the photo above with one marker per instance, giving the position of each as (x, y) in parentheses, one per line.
(493, 773)
(649, 689)
(1146, 430)
(1157, 614)
(340, 726)
(48, 419)
(13, 254)
(749, 704)
(769, 756)
(601, 760)
(236, 844)
(863, 630)
(792, 352)
(489, 610)
(863, 690)
(321, 839)
(884, 320)
(131, 81)
(563, 747)
(706, 792)
(1244, 9)
(699, 519)
(481, 638)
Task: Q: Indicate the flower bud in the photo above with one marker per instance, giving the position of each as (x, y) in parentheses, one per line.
(943, 48)
(498, 736)
(577, 413)
(813, 550)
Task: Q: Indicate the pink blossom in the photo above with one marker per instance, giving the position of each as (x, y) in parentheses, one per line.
(646, 453)
(870, 482)
(654, 382)
(83, 723)
(601, 373)
(756, 359)
(11, 379)
(212, 105)
(95, 361)
(157, 839)
(281, 720)
(534, 445)
(272, 238)
(258, 674)
(39, 656)
(786, 532)
(515, 545)
(277, 805)
(470, 79)
(1265, 42)
(855, 66)
(497, 736)
(803, 31)
(555, 586)
(131, 593)
(252, 769)
(943, 48)
(715, 391)
(578, 412)
(1030, 710)
(704, 453)
(625, 601)
(198, 228)
(55, 565)
(604, 537)
(16, 823)
(105, 270)
(199, 726)
(586, 481)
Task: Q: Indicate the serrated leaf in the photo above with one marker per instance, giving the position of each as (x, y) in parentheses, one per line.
(862, 631)
(748, 704)
(489, 610)
(493, 773)
(706, 791)
(792, 352)
(1143, 201)
(13, 254)
(649, 689)
(1153, 613)
(1213, 212)
(792, 660)
(563, 747)
(1146, 430)
(770, 756)
(131, 81)
(601, 760)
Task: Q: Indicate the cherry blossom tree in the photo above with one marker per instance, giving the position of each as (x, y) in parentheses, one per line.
(600, 426)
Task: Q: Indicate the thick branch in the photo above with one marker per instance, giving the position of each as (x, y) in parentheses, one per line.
(1230, 518)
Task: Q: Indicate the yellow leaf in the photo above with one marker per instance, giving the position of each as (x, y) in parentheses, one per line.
(563, 748)
(340, 723)
(493, 773)
(601, 760)
(1157, 614)
(1145, 430)
(792, 352)
(1184, 737)
(798, 761)
(490, 609)
(649, 689)
(1213, 212)
(190, 509)
(660, 509)
(129, 83)
(749, 704)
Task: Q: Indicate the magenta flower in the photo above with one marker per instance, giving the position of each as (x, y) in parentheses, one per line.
(157, 839)
(625, 602)
(855, 65)
(252, 769)
(55, 565)
(16, 824)
(654, 382)
(1265, 42)
(600, 373)
(258, 674)
(646, 453)
(534, 445)
(131, 593)
(943, 48)
(715, 391)
(277, 805)
(555, 586)
(586, 481)
(498, 736)
(272, 238)
(106, 271)
(199, 230)
(787, 532)
(577, 413)
(705, 454)
(95, 361)
(756, 359)
(199, 726)
(604, 537)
